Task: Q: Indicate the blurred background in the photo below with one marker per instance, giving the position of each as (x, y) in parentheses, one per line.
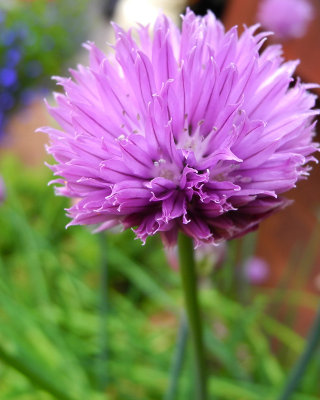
(87, 316)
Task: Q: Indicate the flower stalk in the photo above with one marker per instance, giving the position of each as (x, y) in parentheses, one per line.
(189, 285)
(299, 369)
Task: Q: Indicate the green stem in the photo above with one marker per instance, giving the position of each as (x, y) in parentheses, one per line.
(177, 359)
(189, 284)
(302, 364)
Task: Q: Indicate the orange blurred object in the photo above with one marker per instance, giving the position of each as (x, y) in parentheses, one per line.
(307, 48)
(284, 237)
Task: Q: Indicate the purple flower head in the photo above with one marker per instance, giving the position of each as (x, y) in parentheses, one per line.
(190, 130)
(256, 270)
(286, 18)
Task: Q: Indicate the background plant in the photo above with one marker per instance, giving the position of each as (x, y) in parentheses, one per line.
(63, 334)
(37, 39)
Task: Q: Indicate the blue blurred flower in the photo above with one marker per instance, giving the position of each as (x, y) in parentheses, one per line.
(8, 37)
(1, 122)
(25, 38)
(15, 87)
(22, 32)
(13, 56)
(6, 101)
(8, 77)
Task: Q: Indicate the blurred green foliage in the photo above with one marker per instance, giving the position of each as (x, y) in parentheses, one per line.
(37, 40)
(50, 31)
(95, 317)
